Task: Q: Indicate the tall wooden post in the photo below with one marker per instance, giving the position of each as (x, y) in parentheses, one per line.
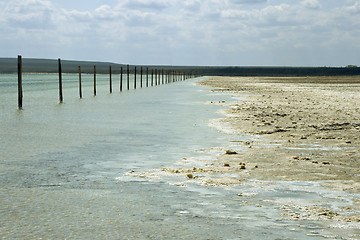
(147, 77)
(121, 79)
(110, 79)
(60, 82)
(80, 87)
(94, 80)
(135, 78)
(156, 81)
(141, 77)
(152, 77)
(20, 93)
(128, 77)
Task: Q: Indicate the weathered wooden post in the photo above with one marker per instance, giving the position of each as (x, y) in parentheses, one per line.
(147, 77)
(80, 87)
(141, 77)
(121, 79)
(128, 77)
(156, 81)
(135, 77)
(152, 77)
(94, 80)
(60, 82)
(110, 79)
(20, 93)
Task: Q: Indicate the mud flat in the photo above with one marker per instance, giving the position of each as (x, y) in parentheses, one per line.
(308, 128)
(302, 129)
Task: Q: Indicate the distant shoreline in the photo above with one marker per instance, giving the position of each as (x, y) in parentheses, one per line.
(9, 65)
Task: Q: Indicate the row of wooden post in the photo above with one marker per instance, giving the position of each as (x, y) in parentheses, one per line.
(161, 78)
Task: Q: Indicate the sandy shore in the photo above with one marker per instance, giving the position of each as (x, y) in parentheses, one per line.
(304, 129)
(309, 128)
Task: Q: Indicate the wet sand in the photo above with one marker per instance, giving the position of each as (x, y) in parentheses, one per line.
(302, 129)
(309, 128)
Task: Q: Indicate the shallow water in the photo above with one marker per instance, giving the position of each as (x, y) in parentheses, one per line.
(63, 167)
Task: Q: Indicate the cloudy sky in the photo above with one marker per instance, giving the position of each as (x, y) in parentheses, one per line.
(184, 32)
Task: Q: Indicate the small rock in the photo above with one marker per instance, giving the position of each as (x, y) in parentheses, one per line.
(295, 157)
(242, 165)
(190, 176)
(326, 163)
(226, 165)
(230, 152)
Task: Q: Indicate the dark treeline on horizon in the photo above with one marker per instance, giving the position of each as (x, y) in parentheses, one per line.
(9, 65)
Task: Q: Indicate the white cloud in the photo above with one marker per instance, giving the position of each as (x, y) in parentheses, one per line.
(156, 29)
(311, 4)
(147, 4)
(28, 14)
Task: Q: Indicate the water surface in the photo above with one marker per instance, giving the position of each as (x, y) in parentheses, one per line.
(63, 166)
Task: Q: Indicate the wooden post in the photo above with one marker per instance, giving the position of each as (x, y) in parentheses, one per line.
(110, 79)
(121, 79)
(135, 78)
(60, 82)
(152, 77)
(156, 81)
(80, 87)
(141, 78)
(147, 77)
(94, 80)
(128, 77)
(20, 93)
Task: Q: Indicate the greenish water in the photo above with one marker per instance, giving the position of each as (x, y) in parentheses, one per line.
(63, 167)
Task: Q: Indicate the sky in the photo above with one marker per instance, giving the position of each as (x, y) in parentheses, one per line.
(184, 32)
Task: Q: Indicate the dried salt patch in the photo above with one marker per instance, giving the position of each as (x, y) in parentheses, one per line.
(222, 126)
(199, 162)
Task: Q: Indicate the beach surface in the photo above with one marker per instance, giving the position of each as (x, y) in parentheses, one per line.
(297, 129)
(303, 128)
